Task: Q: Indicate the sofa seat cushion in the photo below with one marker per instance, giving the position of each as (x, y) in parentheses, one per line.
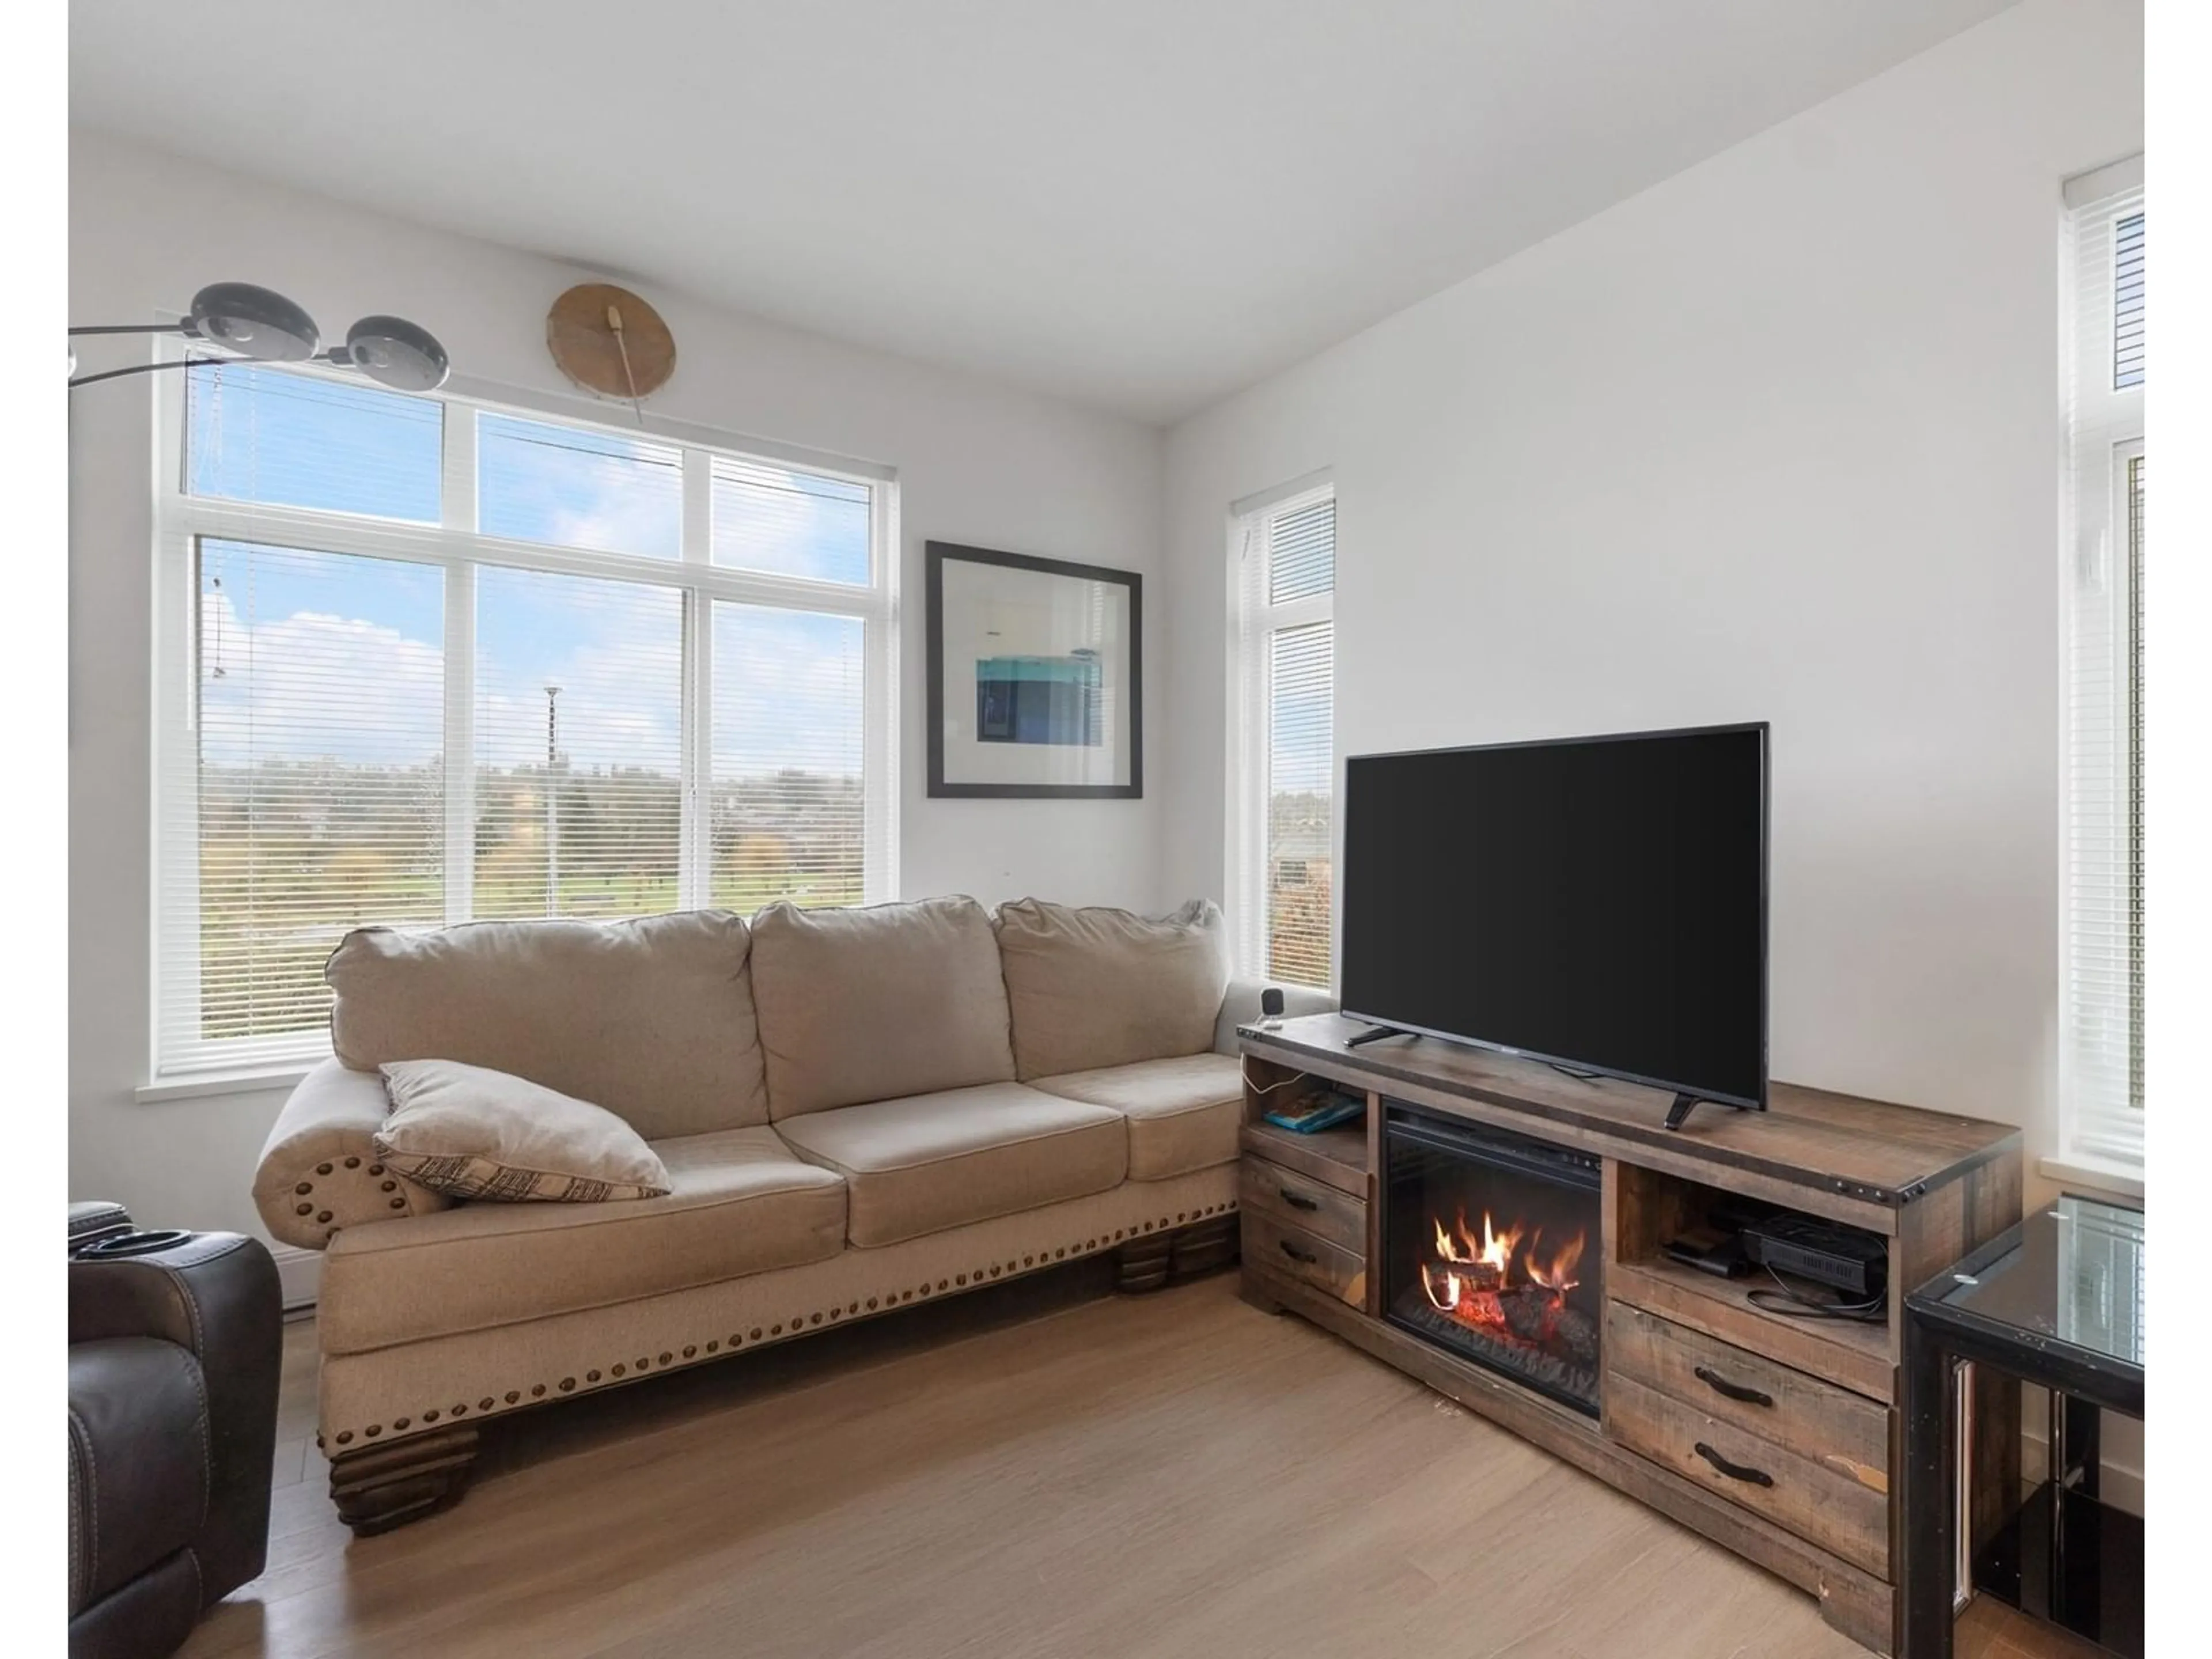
(739, 1203)
(1183, 1113)
(877, 1003)
(1092, 988)
(929, 1162)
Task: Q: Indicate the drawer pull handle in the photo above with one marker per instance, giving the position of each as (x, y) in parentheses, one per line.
(1721, 1385)
(1733, 1471)
(1298, 1201)
(1298, 1255)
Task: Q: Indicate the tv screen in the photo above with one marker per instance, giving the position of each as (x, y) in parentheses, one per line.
(1599, 902)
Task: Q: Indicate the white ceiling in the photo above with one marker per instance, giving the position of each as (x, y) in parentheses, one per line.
(1141, 205)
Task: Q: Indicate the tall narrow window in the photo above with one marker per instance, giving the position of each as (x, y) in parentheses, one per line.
(1282, 810)
(423, 660)
(2101, 1030)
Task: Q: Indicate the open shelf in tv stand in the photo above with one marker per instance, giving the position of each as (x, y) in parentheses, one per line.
(1934, 1185)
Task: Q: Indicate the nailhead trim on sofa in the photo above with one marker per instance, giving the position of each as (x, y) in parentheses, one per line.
(309, 1204)
(697, 1353)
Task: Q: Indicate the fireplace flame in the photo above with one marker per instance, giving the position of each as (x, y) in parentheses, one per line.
(1472, 1273)
(1495, 1251)
(1557, 1275)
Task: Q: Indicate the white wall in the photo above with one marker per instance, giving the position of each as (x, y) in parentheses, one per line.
(1778, 439)
(976, 463)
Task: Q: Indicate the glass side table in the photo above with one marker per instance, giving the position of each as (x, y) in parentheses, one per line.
(2058, 1301)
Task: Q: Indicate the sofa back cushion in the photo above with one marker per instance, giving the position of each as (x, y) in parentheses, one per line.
(652, 1019)
(1094, 987)
(876, 1003)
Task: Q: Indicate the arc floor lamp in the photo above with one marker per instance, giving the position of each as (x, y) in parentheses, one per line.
(262, 325)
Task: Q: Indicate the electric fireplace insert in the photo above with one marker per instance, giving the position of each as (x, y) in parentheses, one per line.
(1492, 1251)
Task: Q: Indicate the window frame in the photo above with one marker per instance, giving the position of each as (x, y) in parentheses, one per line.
(1255, 619)
(2099, 1137)
(455, 547)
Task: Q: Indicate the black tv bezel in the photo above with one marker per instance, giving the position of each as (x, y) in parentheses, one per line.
(1765, 955)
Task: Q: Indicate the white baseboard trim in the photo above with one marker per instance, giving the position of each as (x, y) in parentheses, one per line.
(300, 1273)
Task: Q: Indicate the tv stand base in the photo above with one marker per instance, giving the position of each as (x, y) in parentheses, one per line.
(1376, 1034)
(1679, 1113)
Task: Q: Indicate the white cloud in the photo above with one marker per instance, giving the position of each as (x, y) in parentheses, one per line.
(313, 686)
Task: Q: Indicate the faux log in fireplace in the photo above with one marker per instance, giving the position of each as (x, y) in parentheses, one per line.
(1492, 1250)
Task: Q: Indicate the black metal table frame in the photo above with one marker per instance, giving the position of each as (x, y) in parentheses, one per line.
(1938, 1337)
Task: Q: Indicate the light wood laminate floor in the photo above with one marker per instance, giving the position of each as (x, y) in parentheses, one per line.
(1038, 1469)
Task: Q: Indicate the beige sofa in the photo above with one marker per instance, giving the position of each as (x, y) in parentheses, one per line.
(860, 1110)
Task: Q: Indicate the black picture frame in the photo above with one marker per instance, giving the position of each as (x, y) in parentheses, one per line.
(935, 556)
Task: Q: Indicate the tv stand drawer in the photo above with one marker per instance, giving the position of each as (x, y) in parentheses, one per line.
(1832, 1426)
(1294, 1252)
(1830, 1498)
(1299, 1201)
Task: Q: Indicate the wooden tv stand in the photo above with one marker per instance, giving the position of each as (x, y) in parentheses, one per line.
(1807, 1408)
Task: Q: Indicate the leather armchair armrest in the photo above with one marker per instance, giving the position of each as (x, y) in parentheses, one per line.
(216, 1297)
(95, 1218)
(319, 1169)
(1241, 1006)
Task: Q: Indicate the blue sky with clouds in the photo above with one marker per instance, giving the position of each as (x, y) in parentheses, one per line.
(338, 657)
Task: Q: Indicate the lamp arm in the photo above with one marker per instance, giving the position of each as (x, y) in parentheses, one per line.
(185, 329)
(147, 368)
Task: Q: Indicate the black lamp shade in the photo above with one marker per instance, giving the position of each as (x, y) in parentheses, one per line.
(394, 352)
(255, 322)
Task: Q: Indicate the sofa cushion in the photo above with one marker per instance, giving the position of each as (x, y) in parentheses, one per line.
(877, 1003)
(1094, 987)
(652, 1019)
(930, 1162)
(469, 1132)
(739, 1203)
(1183, 1113)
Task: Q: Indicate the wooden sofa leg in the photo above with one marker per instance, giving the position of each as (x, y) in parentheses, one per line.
(1144, 1263)
(1154, 1260)
(377, 1488)
(1203, 1247)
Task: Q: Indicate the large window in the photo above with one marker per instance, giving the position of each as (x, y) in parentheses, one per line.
(1281, 810)
(2101, 1032)
(423, 660)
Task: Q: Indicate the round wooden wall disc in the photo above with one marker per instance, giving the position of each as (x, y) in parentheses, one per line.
(582, 337)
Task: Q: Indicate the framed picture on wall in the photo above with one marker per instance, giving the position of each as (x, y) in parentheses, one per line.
(1035, 674)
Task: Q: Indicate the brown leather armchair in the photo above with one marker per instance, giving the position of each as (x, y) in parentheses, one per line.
(176, 1345)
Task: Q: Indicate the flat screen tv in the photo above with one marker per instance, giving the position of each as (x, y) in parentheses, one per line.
(1598, 903)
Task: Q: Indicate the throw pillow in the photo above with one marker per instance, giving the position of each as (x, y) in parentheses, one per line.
(469, 1132)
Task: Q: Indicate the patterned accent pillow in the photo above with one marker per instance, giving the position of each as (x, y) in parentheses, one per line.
(472, 1133)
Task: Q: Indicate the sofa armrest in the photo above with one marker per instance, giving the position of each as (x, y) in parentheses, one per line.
(319, 1169)
(1241, 1006)
(216, 1297)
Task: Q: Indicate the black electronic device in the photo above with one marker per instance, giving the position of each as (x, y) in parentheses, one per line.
(1598, 903)
(1270, 1003)
(1846, 1258)
(1711, 1250)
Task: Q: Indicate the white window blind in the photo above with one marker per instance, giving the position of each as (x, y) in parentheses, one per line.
(1281, 812)
(421, 660)
(2101, 1030)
